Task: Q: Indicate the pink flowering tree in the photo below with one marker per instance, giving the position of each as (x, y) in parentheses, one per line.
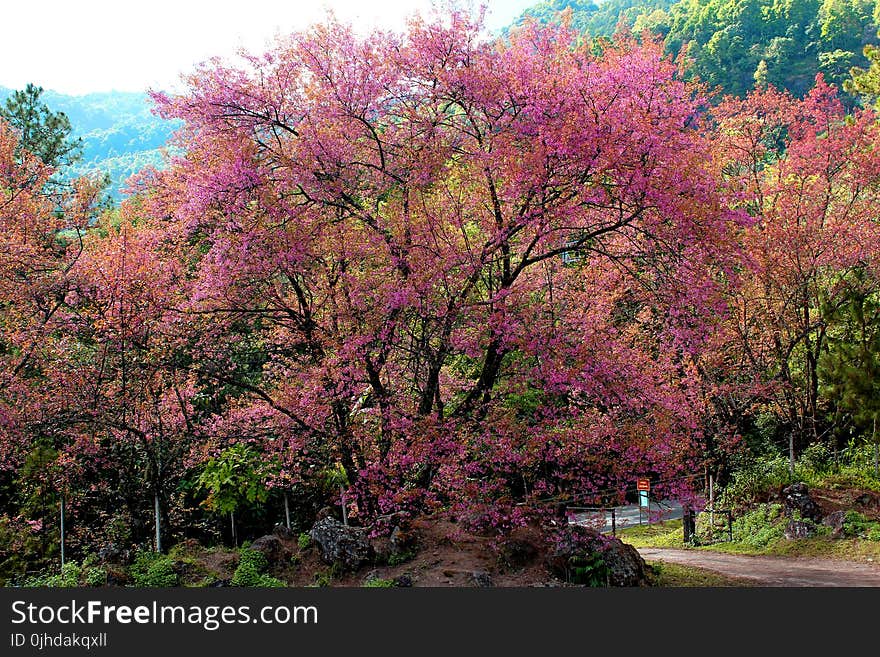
(476, 274)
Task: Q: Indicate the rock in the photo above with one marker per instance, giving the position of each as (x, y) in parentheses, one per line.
(347, 546)
(282, 532)
(835, 521)
(585, 554)
(271, 547)
(326, 512)
(864, 500)
(220, 583)
(796, 498)
(626, 565)
(403, 581)
(112, 552)
(482, 579)
(799, 529)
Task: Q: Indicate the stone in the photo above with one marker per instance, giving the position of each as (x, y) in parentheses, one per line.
(482, 579)
(271, 547)
(281, 531)
(623, 565)
(864, 500)
(799, 529)
(112, 552)
(403, 581)
(347, 546)
(835, 520)
(326, 512)
(796, 498)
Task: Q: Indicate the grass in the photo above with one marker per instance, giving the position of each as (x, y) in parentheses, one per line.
(668, 534)
(676, 575)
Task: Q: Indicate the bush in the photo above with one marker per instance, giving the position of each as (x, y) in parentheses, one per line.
(400, 557)
(761, 527)
(95, 576)
(856, 525)
(303, 540)
(153, 570)
(378, 583)
(251, 571)
(323, 578)
(588, 570)
(67, 578)
(754, 481)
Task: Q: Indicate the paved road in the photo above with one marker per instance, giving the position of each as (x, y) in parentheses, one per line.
(627, 516)
(773, 571)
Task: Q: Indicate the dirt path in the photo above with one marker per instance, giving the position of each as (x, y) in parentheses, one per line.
(773, 571)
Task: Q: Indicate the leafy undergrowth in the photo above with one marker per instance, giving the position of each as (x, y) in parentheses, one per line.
(761, 531)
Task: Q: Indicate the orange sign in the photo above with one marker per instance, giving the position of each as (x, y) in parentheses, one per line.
(643, 484)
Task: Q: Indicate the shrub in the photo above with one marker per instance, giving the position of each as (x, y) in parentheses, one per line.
(378, 583)
(303, 540)
(323, 578)
(400, 557)
(67, 578)
(251, 571)
(754, 481)
(95, 576)
(154, 570)
(856, 525)
(588, 570)
(761, 527)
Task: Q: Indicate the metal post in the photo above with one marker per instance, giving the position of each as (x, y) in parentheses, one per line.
(613, 522)
(286, 510)
(730, 525)
(158, 522)
(711, 502)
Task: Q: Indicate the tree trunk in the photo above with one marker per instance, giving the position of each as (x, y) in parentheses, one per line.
(791, 454)
(876, 450)
(344, 510)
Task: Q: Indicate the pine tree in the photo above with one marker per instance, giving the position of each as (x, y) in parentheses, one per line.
(43, 133)
(851, 366)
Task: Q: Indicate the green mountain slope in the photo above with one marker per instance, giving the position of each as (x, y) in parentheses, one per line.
(119, 132)
(734, 43)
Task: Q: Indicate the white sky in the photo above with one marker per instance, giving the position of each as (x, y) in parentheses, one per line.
(80, 46)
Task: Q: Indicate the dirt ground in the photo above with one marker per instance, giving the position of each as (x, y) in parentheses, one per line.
(773, 571)
(445, 556)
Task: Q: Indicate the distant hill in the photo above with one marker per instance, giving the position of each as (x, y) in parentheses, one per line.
(119, 132)
(735, 44)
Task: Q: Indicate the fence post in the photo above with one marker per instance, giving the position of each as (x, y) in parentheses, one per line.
(687, 524)
(613, 522)
(730, 526)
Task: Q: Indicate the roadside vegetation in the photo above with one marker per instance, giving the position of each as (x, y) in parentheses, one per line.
(843, 486)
